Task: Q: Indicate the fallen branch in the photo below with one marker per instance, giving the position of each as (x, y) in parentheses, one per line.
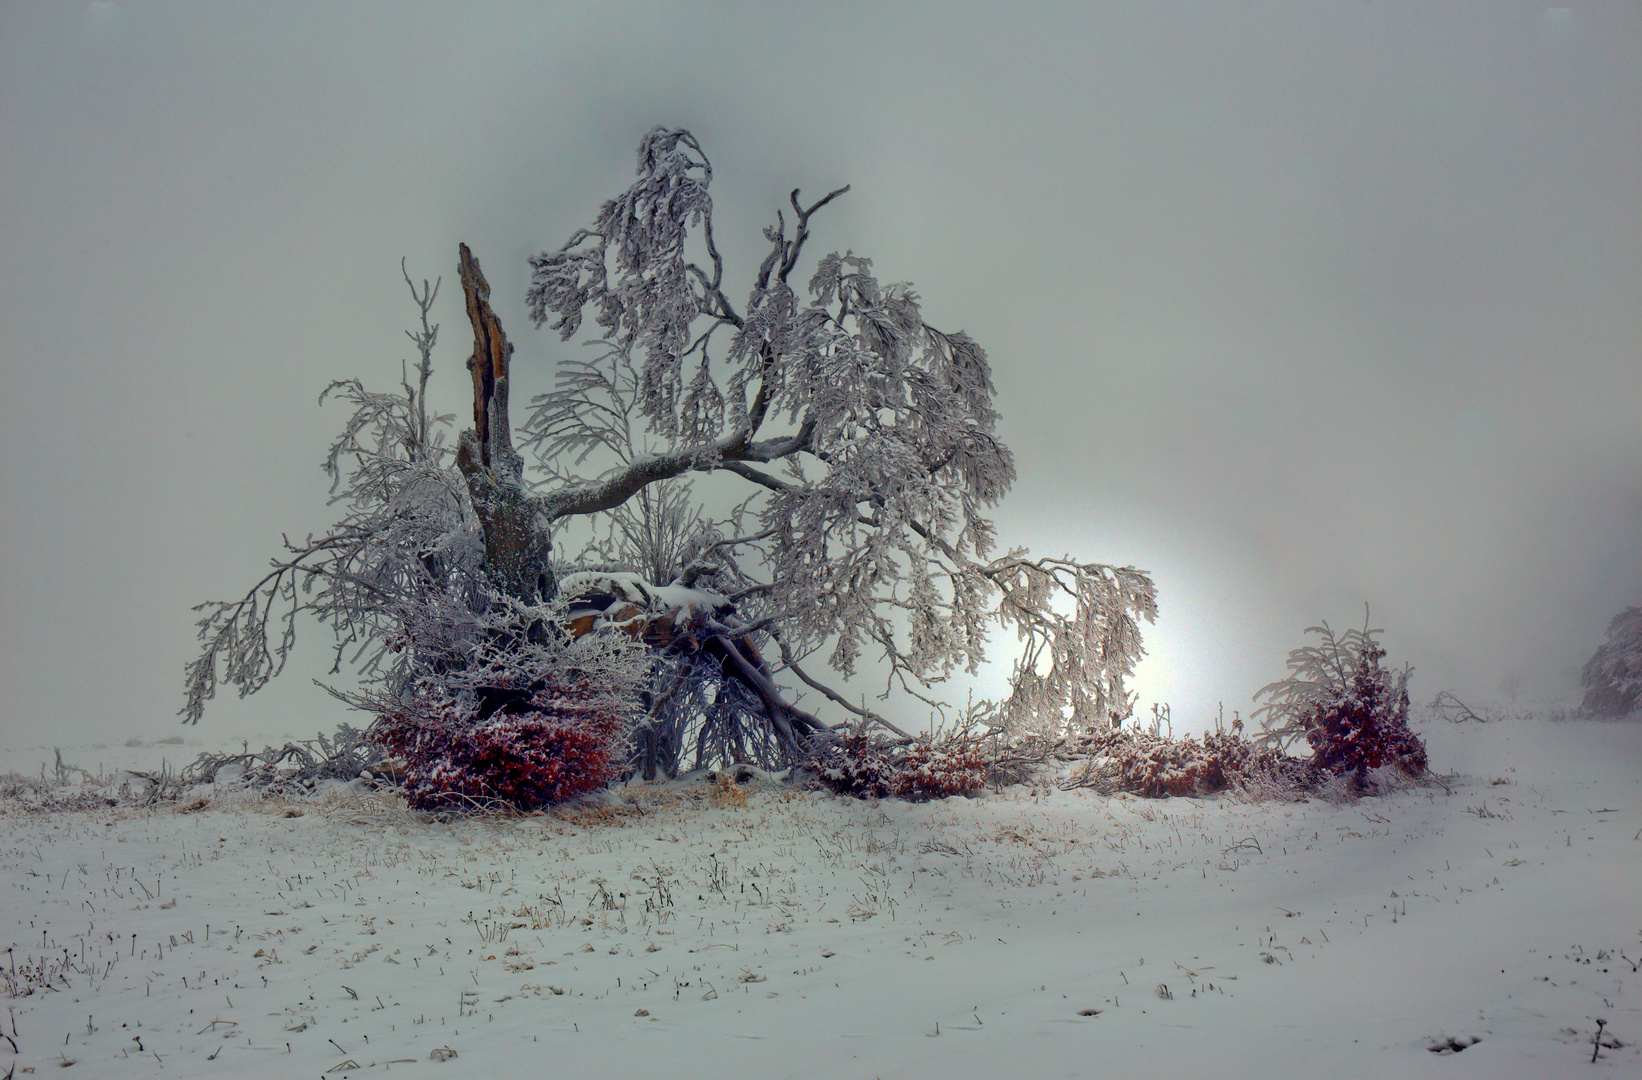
(1455, 711)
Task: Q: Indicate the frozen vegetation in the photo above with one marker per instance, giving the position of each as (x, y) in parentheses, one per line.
(1482, 923)
(856, 444)
(593, 821)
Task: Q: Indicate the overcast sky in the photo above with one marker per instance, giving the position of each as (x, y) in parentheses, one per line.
(1297, 307)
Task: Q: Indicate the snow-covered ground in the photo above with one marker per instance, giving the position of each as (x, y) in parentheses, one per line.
(1475, 930)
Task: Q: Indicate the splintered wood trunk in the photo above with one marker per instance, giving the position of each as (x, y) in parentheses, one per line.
(517, 539)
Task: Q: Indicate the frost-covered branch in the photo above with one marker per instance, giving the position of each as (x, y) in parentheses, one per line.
(406, 534)
(865, 435)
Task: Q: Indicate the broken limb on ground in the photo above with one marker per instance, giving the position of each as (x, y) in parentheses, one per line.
(1482, 926)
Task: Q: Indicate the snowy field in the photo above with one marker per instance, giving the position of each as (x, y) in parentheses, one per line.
(1477, 929)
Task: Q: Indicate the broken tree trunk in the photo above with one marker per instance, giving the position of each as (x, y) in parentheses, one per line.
(517, 539)
(517, 534)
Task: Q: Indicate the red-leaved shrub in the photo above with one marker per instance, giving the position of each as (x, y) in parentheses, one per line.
(1164, 767)
(568, 741)
(857, 766)
(1352, 712)
(1366, 727)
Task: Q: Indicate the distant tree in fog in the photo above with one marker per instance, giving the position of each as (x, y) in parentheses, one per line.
(1613, 675)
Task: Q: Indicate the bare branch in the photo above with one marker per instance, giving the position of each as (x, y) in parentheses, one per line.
(802, 232)
(791, 664)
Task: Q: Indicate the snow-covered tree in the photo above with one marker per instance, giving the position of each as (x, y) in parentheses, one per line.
(862, 439)
(1613, 675)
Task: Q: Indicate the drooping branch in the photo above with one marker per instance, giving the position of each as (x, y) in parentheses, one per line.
(237, 633)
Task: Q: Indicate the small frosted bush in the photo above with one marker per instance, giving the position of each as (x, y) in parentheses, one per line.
(857, 766)
(1367, 726)
(1351, 711)
(526, 725)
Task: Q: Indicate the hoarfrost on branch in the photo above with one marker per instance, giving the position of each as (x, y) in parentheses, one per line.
(865, 437)
(864, 442)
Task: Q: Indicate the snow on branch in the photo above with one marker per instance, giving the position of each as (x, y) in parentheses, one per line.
(406, 533)
(1074, 667)
(867, 438)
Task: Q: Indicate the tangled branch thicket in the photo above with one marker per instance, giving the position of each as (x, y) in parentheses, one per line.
(1155, 766)
(296, 765)
(914, 770)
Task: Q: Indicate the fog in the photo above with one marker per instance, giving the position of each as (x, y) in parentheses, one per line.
(1298, 308)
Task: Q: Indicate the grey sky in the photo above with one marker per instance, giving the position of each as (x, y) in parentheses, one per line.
(1297, 307)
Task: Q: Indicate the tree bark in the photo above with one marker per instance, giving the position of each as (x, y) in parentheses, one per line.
(516, 527)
